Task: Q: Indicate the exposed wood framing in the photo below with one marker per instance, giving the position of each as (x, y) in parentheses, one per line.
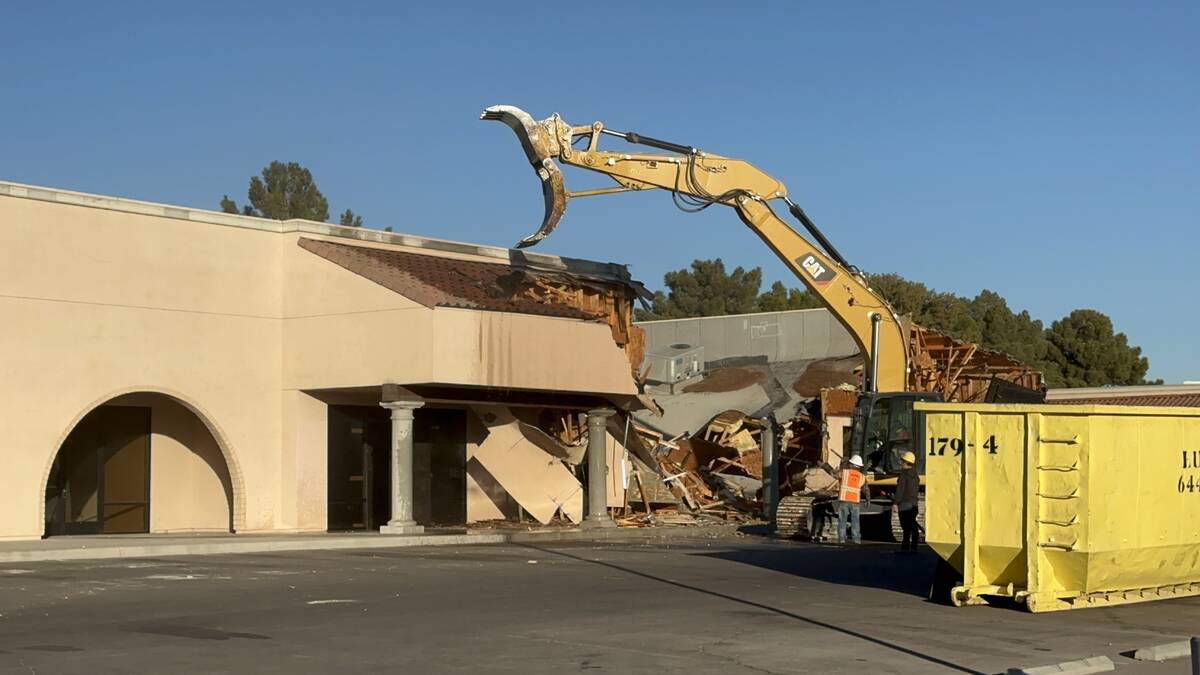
(611, 304)
(959, 370)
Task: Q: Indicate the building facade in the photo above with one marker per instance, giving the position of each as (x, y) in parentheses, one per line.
(166, 369)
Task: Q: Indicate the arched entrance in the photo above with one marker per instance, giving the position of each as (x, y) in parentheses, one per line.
(141, 462)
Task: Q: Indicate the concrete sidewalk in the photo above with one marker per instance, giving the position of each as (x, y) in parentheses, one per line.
(157, 545)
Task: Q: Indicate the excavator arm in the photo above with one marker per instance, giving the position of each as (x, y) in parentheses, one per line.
(697, 180)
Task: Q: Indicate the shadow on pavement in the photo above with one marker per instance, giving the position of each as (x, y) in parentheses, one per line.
(768, 608)
(871, 566)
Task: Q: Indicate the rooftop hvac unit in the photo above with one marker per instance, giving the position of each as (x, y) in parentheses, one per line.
(675, 363)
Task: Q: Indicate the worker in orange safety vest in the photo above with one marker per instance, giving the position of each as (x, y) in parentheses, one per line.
(852, 491)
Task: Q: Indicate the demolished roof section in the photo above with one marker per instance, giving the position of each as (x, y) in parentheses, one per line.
(436, 281)
(961, 370)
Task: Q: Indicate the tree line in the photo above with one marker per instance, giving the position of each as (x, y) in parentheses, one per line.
(1082, 349)
(286, 190)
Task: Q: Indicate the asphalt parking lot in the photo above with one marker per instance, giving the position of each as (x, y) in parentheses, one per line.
(723, 605)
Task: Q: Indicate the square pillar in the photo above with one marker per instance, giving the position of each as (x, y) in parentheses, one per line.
(597, 459)
(402, 468)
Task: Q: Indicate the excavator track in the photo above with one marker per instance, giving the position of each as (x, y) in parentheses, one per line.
(898, 532)
(804, 515)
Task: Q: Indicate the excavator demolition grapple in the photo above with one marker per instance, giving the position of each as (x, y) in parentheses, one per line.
(900, 365)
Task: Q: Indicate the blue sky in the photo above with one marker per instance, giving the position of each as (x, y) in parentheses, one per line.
(1047, 151)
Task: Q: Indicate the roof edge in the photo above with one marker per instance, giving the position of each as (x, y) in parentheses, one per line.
(1122, 391)
(731, 316)
(615, 271)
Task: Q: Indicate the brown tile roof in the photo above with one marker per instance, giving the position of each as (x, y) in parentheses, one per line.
(1167, 400)
(447, 282)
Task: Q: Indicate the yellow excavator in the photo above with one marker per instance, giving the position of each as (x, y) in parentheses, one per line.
(883, 423)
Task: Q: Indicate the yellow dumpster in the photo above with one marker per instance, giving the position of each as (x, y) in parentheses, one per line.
(1062, 506)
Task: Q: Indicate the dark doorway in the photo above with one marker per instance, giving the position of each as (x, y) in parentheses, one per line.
(359, 467)
(440, 466)
(100, 480)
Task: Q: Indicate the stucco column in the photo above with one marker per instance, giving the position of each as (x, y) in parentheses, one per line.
(597, 489)
(402, 468)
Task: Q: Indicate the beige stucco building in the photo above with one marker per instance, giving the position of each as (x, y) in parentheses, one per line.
(166, 369)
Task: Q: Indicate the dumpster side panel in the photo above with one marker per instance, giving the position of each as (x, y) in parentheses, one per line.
(944, 490)
(975, 495)
(1061, 464)
(1147, 532)
(998, 447)
(1117, 453)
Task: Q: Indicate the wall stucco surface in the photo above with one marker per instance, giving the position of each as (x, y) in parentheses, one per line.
(101, 297)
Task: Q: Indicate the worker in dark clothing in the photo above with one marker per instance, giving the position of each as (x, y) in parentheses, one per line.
(908, 488)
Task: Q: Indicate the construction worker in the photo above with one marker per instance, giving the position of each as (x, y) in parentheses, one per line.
(908, 487)
(851, 492)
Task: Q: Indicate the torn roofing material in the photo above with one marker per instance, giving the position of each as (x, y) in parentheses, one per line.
(435, 281)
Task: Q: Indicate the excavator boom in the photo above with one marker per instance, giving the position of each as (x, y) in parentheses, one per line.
(698, 180)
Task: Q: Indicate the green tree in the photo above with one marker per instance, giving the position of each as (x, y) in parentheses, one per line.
(1088, 353)
(944, 311)
(285, 190)
(780, 298)
(706, 290)
(350, 219)
(1018, 335)
(907, 297)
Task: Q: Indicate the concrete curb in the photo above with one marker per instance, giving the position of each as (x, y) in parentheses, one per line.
(1094, 664)
(206, 546)
(623, 533)
(1174, 650)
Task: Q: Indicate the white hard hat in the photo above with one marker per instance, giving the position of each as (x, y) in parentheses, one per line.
(856, 460)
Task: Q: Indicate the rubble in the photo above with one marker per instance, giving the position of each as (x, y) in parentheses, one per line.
(714, 463)
(714, 475)
(542, 484)
(703, 461)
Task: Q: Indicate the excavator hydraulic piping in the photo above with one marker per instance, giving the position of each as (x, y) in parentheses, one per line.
(639, 139)
(660, 144)
(816, 232)
(873, 384)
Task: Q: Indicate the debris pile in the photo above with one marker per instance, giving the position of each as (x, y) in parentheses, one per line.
(712, 475)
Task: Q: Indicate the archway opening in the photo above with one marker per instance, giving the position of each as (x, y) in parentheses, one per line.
(139, 463)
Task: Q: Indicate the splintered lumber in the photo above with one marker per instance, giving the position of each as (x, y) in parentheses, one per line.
(637, 477)
(961, 370)
(706, 451)
(679, 489)
(724, 463)
(683, 457)
(698, 486)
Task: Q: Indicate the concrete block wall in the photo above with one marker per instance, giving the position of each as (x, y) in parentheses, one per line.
(780, 336)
